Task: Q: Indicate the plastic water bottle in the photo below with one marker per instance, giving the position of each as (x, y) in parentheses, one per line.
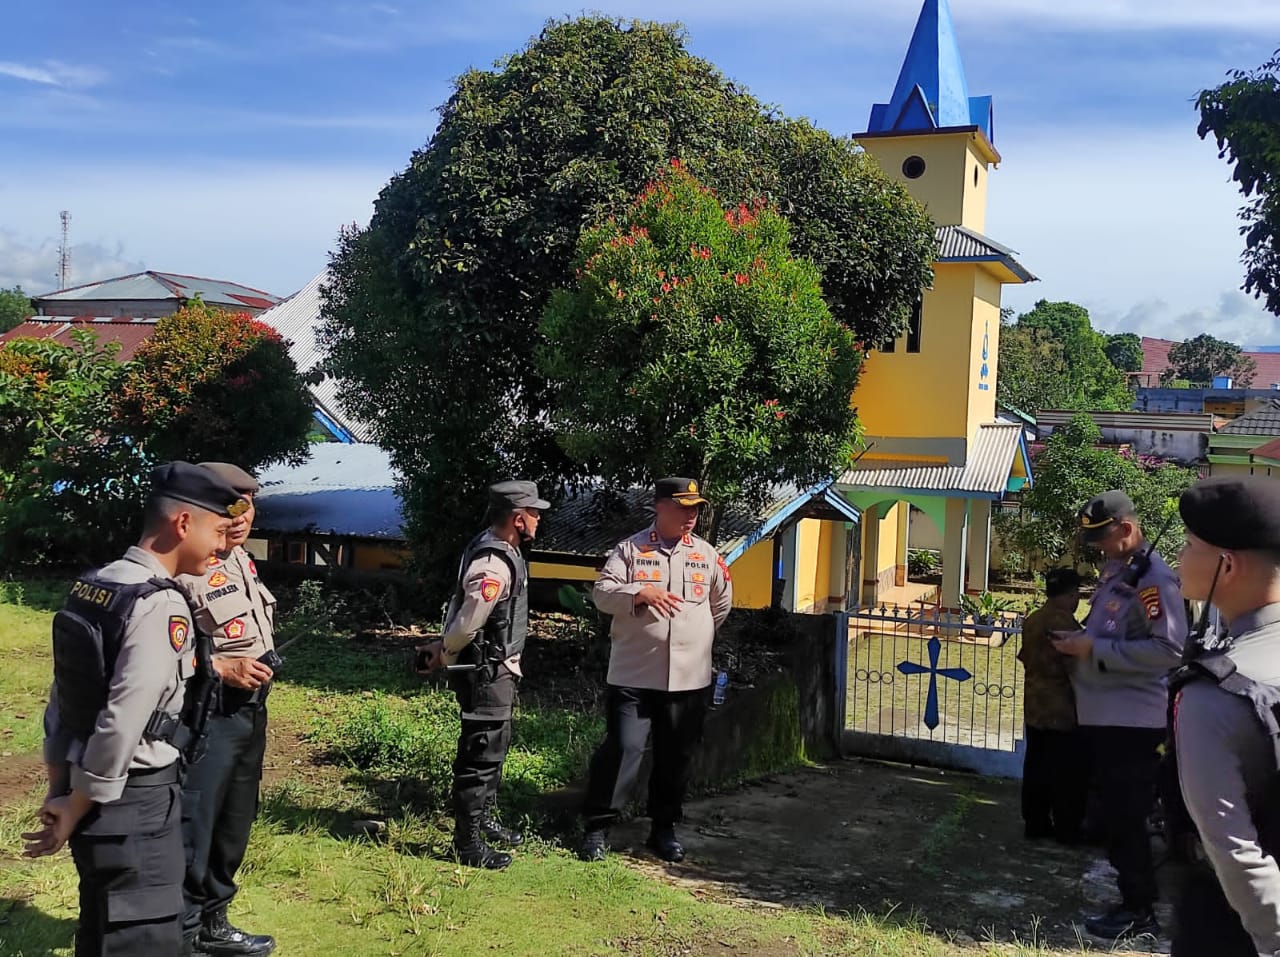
(722, 685)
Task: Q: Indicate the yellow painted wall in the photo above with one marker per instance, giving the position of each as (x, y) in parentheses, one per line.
(926, 394)
(807, 540)
(947, 189)
(559, 572)
(888, 551)
(986, 323)
(378, 557)
(822, 570)
(753, 576)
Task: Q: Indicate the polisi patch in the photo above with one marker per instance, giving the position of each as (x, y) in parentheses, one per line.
(93, 593)
(1150, 598)
(217, 579)
(489, 589)
(179, 628)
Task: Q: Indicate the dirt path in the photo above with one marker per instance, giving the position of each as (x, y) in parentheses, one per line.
(942, 848)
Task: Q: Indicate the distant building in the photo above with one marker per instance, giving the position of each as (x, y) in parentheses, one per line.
(1155, 361)
(150, 295)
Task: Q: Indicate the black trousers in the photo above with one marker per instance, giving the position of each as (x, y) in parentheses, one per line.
(1055, 783)
(128, 854)
(1204, 923)
(673, 720)
(1126, 762)
(220, 801)
(483, 743)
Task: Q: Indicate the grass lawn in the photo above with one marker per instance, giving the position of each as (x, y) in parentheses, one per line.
(356, 736)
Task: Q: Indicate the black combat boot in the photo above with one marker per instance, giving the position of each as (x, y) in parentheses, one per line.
(470, 850)
(219, 938)
(663, 842)
(1121, 923)
(493, 831)
(593, 847)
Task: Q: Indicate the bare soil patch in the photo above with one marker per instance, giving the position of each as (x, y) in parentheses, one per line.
(941, 848)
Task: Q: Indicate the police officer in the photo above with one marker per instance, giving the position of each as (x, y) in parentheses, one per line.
(484, 634)
(220, 797)
(1132, 639)
(668, 592)
(1225, 720)
(122, 655)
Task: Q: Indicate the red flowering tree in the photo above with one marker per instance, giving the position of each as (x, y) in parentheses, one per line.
(694, 343)
(211, 384)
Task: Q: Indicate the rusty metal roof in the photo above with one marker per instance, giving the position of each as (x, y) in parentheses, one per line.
(1159, 421)
(152, 285)
(130, 333)
(985, 474)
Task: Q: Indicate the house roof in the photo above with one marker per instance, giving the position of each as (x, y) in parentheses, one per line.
(1264, 420)
(1268, 450)
(298, 319)
(152, 285)
(959, 244)
(342, 489)
(985, 474)
(1155, 360)
(130, 333)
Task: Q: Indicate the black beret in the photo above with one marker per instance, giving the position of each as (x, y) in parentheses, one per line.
(683, 490)
(196, 486)
(1102, 511)
(518, 494)
(233, 475)
(1234, 511)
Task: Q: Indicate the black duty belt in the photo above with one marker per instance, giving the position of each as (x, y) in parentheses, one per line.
(154, 777)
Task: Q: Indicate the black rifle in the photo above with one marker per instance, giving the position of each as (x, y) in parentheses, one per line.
(201, 701)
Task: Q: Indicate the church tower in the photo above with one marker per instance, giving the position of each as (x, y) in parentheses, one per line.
(918, 398)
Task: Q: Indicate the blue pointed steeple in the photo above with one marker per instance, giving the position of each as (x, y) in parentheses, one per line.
(931, 92)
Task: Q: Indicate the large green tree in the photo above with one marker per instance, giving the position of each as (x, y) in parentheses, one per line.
(1200, 359)
(15, 306)
(1070, 470)
(432, 311)
(1243, 115)
(1124, 349)
(1088, 379)
(1052, 358)
(694, 343)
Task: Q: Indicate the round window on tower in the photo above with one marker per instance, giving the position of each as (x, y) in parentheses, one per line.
(913, 167)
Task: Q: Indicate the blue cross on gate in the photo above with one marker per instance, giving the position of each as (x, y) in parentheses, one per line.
(956, 674)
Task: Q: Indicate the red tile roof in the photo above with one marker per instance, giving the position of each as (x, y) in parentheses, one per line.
(1269, 450)
(130, 333)
(1155, 359)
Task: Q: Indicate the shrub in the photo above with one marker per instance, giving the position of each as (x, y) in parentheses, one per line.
(922, 562)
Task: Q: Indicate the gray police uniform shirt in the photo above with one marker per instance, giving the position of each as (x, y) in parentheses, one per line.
(156, 659)
(232, 605)
(1224, 763)
(485, 583)
(1138, 633)
(650, 650)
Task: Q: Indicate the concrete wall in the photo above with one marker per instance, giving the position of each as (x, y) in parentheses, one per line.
(1185, 448)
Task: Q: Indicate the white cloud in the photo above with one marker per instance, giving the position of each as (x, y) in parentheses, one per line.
(1137, 225)
(33, 264)
(1087, 15)
(267, 226)
(53, 73)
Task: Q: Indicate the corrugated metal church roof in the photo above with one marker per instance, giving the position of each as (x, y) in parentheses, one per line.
(163, 285)
(985, 473)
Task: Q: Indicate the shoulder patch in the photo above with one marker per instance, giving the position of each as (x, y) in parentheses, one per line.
(724, 569)
(215, 561)
(217, 579)
(1150, 598)
(179, 628)
(489, 588)
(253, 569)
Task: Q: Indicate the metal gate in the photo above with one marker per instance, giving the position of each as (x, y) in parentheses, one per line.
(926, 686)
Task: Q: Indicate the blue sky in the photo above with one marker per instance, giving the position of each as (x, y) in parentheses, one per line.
(233, 139)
